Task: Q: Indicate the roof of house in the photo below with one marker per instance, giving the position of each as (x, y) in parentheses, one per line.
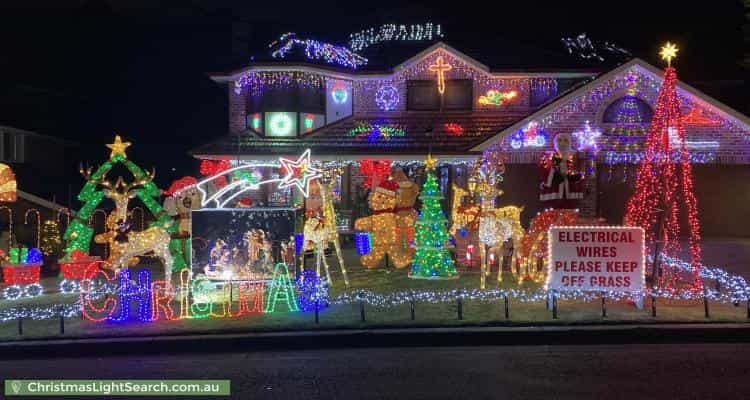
(571, 70)
(642, 66)
(397, 135)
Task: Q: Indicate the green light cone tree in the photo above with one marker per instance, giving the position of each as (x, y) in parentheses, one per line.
(432, 258)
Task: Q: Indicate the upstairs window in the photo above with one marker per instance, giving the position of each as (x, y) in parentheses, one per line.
(424, 96)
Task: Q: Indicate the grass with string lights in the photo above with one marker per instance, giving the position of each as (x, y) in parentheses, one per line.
(347, 316)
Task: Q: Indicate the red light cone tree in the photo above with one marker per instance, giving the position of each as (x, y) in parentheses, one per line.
(665, 182)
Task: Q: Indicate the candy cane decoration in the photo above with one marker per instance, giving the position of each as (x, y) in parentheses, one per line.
(63, 211)
(38, 223)
(10, 226)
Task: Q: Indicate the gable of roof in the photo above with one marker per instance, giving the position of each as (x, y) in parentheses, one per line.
(642, 67)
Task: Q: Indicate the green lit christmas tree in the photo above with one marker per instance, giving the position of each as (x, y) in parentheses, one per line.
(432, 259)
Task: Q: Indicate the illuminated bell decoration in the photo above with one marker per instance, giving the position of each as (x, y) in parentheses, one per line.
(363, 242)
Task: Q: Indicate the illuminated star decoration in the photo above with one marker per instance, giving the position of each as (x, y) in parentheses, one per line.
(430, 162)
(587, 137)
(440, 68)
(668, 52)
(118, 147)
(299, 173)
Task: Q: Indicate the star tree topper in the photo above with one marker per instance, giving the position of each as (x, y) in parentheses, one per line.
(668, 52)
(118, 147)
(299, 173)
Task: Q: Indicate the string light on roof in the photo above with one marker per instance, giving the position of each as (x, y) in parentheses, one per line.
(316, 50)
(363, 39)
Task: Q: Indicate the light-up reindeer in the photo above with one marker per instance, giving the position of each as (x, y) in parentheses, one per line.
(320, 230)
(124, 245)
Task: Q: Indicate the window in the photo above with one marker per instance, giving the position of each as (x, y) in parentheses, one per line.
(302, 99)
(628, 110)
(458, 94)
(424, 96)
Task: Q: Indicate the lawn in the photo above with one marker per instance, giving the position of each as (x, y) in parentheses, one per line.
(347, 316)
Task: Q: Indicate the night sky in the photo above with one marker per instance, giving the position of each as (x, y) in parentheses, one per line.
(83, 70)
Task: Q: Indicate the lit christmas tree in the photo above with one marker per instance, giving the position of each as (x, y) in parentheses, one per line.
(627, 134)
(665, 182)
(431, 239)
(51, 243)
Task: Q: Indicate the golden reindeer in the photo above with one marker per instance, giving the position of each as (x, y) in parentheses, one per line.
(496, 225)
(125, 246)
(321, 231)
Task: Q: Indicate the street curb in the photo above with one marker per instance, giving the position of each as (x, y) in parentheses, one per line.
(415, 337)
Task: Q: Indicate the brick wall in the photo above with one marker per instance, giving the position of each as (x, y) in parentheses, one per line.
(237, 110)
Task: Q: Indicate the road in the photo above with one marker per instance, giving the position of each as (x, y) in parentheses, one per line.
(674, 371)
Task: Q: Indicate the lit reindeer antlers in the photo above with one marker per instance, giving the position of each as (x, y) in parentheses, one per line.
(120, 185)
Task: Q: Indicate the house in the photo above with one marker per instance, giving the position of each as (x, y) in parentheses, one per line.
(447, 103)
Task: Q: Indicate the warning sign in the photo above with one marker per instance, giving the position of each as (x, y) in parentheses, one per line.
(609, 258)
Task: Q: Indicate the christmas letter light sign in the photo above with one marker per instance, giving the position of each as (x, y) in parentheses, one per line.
(596, 258)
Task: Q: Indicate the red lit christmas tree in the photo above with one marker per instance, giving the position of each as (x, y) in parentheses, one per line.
(665, 183)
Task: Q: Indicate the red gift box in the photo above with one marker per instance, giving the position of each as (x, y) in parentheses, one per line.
(74, 270)
(21, 274)
(73, 267)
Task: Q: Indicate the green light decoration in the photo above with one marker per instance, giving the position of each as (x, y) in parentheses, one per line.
(202, 305)
(281, 289)
(245, 175)
(432, 259)
(78, 235)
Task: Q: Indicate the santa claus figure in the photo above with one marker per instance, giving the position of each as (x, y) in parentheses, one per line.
(560, 176)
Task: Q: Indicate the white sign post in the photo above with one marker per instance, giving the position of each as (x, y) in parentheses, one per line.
(596, 258)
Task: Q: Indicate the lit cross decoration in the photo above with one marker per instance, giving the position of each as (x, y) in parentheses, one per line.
(587, 137)
(299, 173)
(440, 68)
(668, 52)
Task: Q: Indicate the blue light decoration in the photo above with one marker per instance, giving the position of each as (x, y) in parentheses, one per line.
(387, 98)
(532, 135)
(363, 242)
(299, 243)
(313, 292)
(129, 292)
(316, 50)
(34, 256)
(339, 94)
